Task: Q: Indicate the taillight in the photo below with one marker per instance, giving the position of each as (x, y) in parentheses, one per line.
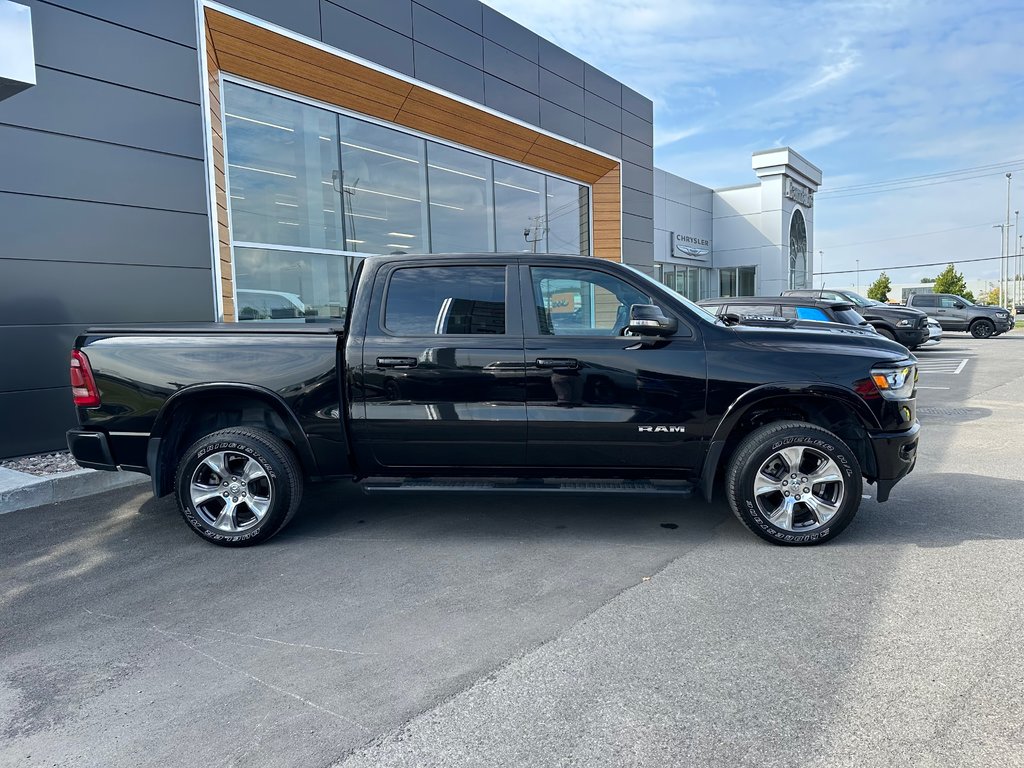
(83, 385)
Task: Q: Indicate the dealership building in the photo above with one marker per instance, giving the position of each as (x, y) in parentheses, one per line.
(193, 161)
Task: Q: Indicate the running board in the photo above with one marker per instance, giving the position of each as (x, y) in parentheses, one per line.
(526, 485)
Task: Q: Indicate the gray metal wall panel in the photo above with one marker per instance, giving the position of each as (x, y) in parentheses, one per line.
(76, 43)
(170, 20)
(603, 138)
(59, 166)
(35, 421)
(561, 62)
(602, 111)
(54, 292)
(511, 100)
(42, 356)
(638, 104)
(505, 32)
(560, 91)
(605, 86)
(511, 67)
(468, 13)
(79, 106)
(561, 121)
(395, 14)
(637, 128)
(637, 228)
(302, 16)
(49, 228)
(448, 37)
(639, 203)
(637, 177)
(351, 32)
(638, 153)
(637, 253)
(450, 74)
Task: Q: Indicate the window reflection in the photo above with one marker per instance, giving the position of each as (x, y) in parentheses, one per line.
(519, 201)
(568, 217)
(382, 179)
(290, 286)
(460, 206)
(280, 157)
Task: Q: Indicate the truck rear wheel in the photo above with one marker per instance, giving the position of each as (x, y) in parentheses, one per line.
(239, 486)
(794, 483)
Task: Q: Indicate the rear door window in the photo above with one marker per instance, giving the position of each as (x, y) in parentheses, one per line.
(849, 317)
(442, 301)
(770, 310)
(812, 313)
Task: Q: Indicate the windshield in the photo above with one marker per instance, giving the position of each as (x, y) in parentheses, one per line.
(859, 300)
(702, 313)
(965, 301)
(849, 317)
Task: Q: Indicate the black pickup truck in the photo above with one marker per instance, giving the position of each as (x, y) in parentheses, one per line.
(531, 371)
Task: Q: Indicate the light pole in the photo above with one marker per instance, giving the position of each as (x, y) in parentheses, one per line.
(1004, 262)
(858, 275)
(821, 267)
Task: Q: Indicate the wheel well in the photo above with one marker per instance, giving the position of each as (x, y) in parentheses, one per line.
(208, 412)
(977, 320)
(833, 415)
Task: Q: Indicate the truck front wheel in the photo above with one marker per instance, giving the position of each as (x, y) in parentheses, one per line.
(239, 486)
(794, 483)
(982, 329)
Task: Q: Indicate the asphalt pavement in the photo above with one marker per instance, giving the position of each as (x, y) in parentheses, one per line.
(548, 630)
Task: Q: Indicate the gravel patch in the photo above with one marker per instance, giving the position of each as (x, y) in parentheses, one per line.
(43, 464)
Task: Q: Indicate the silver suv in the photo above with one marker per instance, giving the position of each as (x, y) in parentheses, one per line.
(955, 313)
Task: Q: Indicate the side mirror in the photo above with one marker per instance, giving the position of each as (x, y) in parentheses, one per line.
(649, 320)
(958, 305)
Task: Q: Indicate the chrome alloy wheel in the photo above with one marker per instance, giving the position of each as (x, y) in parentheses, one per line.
(231, 491)
(799, 489)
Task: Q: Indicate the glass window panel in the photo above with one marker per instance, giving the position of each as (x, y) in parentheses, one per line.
(281, 157)
(383, 181)
(811, 313)
(436, 301)
(746, 278)
(754, 309)
(568, 217)
(285, 285)
(519, 209)
(727, 281)
(582, 302)
(460, 207)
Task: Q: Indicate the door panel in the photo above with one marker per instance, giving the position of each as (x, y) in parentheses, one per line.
(599, 399)
(443, 380)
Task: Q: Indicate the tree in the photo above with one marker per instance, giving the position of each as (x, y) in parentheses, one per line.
(951, 281)
(879, 290)
(927, 279)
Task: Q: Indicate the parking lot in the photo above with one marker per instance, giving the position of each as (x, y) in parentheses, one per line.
(471, 630)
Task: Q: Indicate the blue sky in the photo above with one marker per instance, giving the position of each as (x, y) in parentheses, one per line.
(867, 91)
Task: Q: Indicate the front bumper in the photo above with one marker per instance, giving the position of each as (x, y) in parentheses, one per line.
(895, 457)
(91, 449)
(912, 337)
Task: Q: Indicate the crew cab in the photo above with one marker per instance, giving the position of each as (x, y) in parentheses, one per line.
(955, 313)
(532, 371)
(903, 324)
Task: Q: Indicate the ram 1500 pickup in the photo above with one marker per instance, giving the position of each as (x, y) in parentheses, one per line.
(533, 371)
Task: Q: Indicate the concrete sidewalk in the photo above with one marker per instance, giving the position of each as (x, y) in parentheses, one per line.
(20, 490)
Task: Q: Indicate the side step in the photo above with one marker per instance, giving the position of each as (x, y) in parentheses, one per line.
(528, 485)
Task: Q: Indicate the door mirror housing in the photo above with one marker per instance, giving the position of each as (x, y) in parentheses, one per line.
(649, 320)
(958, 305)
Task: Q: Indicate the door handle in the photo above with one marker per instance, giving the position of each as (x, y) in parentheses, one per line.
(396, 362)
(557, 362)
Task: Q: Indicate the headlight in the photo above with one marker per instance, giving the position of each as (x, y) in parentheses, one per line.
(904, 323)
(895, 383)
(1001, 315)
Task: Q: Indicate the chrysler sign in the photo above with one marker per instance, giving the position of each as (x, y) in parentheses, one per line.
(799, 193)
(688, 245)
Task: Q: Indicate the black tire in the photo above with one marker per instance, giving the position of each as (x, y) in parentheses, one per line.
(982, 329)
(886, 333)
(762, 447)
(262, 504)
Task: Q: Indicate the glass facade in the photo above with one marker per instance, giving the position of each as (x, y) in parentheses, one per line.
(692, 282)
(798, 271)
(737, 281)
(310, 190)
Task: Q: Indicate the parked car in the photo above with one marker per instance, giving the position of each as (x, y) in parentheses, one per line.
(792, 307)
(934, 332)
(907, 326)
(439, 373)
(955, 313)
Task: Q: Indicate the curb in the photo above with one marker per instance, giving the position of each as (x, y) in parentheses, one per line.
(19, 490)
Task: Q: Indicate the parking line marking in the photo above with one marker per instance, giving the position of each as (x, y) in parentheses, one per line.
(952, 367)
(920, 387)
(961, 366)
